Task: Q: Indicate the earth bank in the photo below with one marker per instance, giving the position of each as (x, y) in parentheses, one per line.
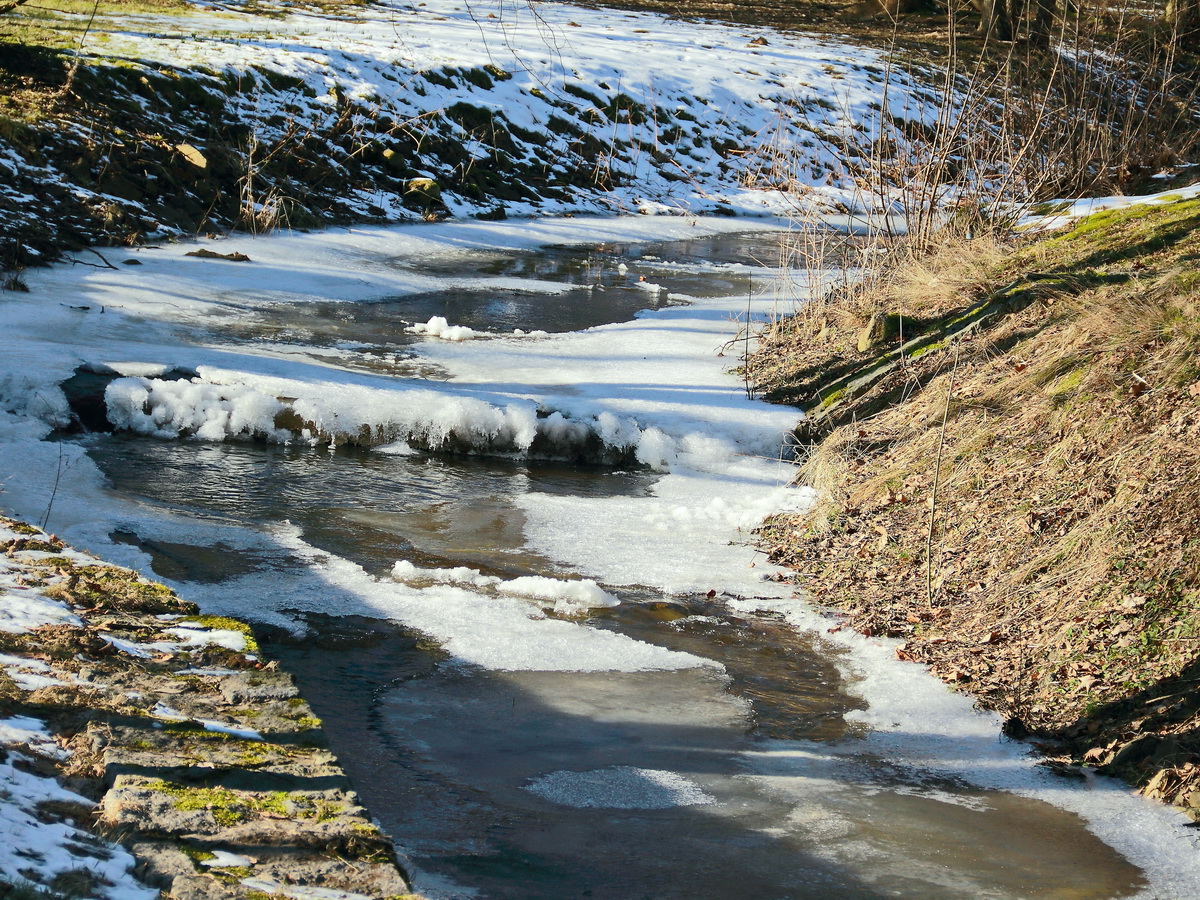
(201, 759)
(1007, 441)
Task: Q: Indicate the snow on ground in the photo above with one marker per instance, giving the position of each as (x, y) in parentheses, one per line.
(664, 115)
(790, 90)
(1067, 211)
(656, 382)
(39, 840)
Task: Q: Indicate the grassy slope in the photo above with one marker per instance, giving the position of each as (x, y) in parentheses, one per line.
(1061, 580)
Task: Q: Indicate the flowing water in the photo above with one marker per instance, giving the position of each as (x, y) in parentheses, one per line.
(746, 772)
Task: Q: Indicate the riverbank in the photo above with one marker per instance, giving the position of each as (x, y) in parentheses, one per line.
(1004, 438)
(148, 747)
(269, 116)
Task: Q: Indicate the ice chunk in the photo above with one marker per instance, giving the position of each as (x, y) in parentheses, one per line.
(440, 328)
(620, 787)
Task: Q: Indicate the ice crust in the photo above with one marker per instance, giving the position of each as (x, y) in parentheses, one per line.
(620, 787)
(563, 596)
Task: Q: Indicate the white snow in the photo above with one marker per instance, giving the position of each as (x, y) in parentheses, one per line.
(576, 596)
(654, 387)
(201, 637)
(167, 714)
(21, 611)
(437, 326)
(1066, 211)
(726, 122)
(36, 846)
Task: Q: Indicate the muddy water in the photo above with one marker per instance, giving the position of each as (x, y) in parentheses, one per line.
(743, 780)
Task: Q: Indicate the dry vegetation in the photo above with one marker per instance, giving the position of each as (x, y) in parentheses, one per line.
(1019, 502)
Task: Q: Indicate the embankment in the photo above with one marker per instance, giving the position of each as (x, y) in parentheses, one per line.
(170, 739)
(1006, 439)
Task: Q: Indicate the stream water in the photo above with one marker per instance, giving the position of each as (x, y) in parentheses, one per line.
(700, 744)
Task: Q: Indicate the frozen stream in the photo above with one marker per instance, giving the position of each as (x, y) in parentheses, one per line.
(550, 660)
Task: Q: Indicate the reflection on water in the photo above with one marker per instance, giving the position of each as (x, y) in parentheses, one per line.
(589, 286)
(370, 507)
(446, 757)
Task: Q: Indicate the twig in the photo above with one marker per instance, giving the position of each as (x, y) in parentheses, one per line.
(937, 471)
(746, 367)
(54, 490)
(70, 79)
(107, 264)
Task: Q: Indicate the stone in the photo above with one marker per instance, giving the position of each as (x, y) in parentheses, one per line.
(192, 155)
(424, 189)
(879, 330)
(395, 161)
(159, 863)
(252, 687)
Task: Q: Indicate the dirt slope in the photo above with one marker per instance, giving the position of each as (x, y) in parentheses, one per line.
(1008, 442)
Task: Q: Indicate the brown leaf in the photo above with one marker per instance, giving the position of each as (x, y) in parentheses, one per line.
(883, 537)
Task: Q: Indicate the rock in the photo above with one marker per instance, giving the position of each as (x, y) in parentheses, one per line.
(1015, 728)
(200, 887)
(1133, 754)
(395, 161)
(1170, 753)
(424, 189)
(160, 863)
(205, 253)
(880, 330)
(133, 806)
(246, 687)
(227, 790)
(192, 155)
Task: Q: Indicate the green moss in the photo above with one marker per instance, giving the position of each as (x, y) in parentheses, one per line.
(227, 807)
(928, 348)
(224, 623)
(196, 854)
(253, 756)
(1068, 382)
(831, 398)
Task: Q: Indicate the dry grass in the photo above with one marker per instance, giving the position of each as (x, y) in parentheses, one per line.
(1063, 573)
